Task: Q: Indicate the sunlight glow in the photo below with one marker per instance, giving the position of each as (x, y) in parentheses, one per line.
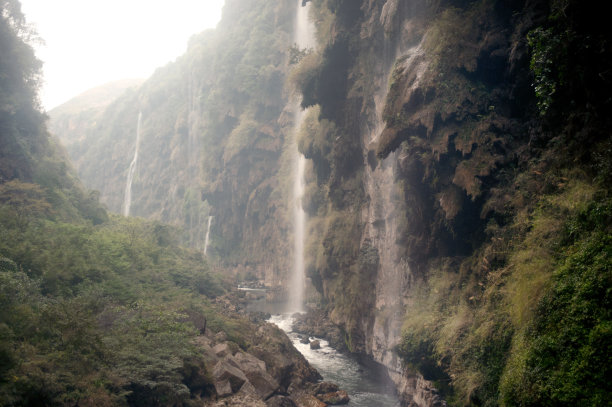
(92, 42)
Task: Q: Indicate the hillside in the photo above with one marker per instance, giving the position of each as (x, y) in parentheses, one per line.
(212, 142)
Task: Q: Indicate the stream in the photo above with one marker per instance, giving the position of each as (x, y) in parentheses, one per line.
(366, 383)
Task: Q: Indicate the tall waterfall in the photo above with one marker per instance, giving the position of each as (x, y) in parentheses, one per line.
(127, 197)
(303, 38)
(210, 218)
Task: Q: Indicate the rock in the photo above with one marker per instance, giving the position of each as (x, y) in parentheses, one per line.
(224, 370)
(248, 389)
(255, 370)
(249, 361)
(280, 401)
(334, 398)
(307, 400)
(315, 344)
(223, 388)
(220, 336)
(325, 387)
(305, 340)
(222, 350)
(210, 357)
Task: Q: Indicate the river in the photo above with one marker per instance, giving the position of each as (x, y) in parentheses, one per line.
(366, 383)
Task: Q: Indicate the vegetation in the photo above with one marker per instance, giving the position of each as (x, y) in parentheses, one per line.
(95, 310)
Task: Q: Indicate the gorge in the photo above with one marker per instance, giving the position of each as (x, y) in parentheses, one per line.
(427, 182)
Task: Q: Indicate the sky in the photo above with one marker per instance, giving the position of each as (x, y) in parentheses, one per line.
(88, 43)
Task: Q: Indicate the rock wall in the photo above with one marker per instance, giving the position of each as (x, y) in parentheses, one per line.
(414, 136)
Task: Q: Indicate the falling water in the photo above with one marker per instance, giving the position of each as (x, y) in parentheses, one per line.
(210, 218)
(296, 288)
(304, 38)
(127, 197)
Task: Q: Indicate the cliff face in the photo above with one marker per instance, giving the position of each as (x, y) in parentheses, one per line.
(212, 139)
(431, 154)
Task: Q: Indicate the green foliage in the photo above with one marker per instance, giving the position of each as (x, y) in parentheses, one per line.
(563, 357)
(547, 56)
(101, 313)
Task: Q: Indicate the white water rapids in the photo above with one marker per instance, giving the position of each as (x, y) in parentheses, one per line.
(366, 386)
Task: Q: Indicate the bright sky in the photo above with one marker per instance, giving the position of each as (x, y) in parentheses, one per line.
(92, 42)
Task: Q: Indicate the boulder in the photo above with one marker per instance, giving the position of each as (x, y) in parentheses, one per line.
(248, 389)
(334, 398)
(307, 400)
(223, 388)
(280, 401)
(304, 339)
(315, 344)
(248, 361)
(222, 350)
(325, 387)
(224, 370)
(255, 371)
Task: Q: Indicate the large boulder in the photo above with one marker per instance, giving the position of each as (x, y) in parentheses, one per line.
(223, 388)
(225, 370)
(255, 370)
(334, 398)
(316, 344)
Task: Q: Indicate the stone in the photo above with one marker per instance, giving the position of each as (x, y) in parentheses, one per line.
(224, 370)
(280, 401)
(249, 361)
(307, 400)
(305, 340)
(248, 389)
(334, 398)
(223, 388)
(315, 344)
(222, 350)
(325, 387)
(263, 383)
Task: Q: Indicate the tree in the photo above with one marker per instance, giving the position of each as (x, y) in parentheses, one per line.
(23, 200)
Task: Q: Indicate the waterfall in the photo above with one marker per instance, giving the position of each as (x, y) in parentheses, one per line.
(210, 218)
(296, 287)
(303, 38)
(127, 197)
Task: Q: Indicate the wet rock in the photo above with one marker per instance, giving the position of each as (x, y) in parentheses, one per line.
(334, 398)
(325, 387)
(280, 401)
(304, 339)
(315, 344)
(316, 323)
(307, 400)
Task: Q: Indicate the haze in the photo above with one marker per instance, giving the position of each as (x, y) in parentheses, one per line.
(89, 43)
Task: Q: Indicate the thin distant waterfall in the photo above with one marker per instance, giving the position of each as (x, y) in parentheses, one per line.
(127, 197)
(304, 38)
(210, 218)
